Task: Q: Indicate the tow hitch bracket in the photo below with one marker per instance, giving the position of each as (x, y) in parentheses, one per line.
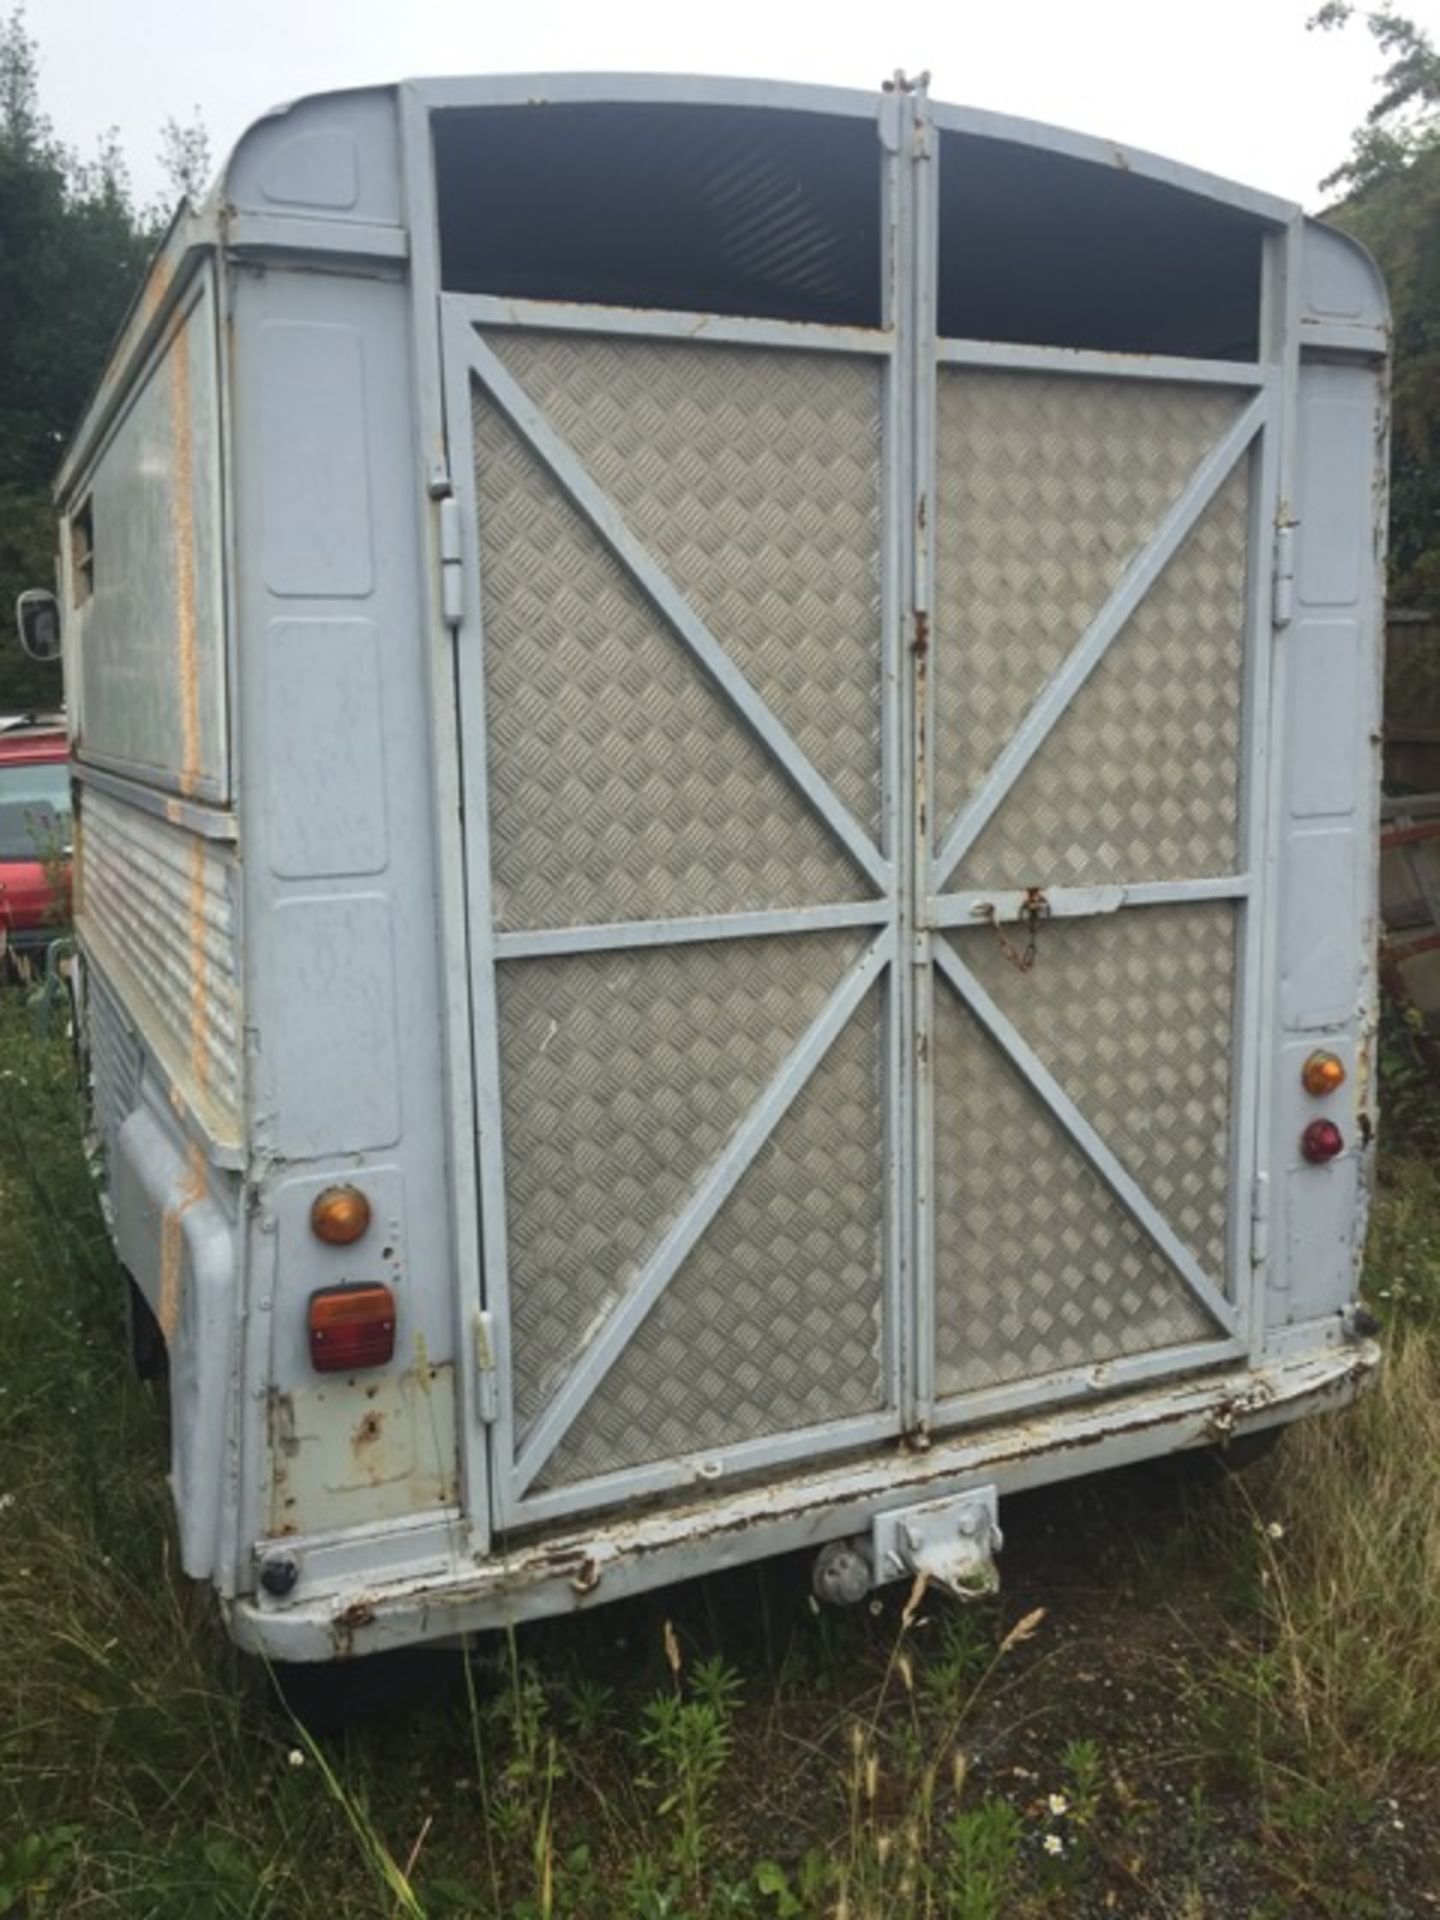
(954, 1541)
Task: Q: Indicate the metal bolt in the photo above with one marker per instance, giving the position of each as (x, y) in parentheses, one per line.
(278, 1574)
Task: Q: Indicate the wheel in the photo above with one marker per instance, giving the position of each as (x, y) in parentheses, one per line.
(147, 1342)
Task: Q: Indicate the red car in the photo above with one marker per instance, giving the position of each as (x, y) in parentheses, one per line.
(34, 832)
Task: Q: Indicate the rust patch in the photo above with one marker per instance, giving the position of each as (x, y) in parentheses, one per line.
(158, 283)
(360, 1613)
(172, 1242)
(588, 1577)
(921, 644)
(283, 1437)
(369, 1430)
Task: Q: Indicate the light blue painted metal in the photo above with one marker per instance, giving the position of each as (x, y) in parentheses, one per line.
(979, 905)
(896, 220)
(663, 933)
(919, 758)
(476, 940)
(487, 312)
(463, 1193)
(1172, 368)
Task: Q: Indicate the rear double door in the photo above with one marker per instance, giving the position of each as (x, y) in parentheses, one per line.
(854, 739)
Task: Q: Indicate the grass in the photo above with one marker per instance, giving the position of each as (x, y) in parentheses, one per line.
(1186, 1702)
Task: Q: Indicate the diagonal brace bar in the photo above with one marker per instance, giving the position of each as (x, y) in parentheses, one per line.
(675, 610)
(1142, 573)
(610, 1342)
(1125, 1189)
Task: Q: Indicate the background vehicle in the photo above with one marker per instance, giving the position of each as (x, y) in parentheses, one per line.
(34, 833)
(726, 740)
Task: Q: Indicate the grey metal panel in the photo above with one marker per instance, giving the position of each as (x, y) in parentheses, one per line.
(157, 906)
(1324, 984)
(325, 765)
(624, 1075)
(1340, 283)
(621, 786)
(315, 533)
(332, 1053)
(149, 642)
(332, 157)
(1047, 488)
(1133, 1015)
(1037, 1267)
(1140, 777)
(776, 1320)
(757, 475)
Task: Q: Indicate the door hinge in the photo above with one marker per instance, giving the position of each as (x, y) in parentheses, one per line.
(452, 563)
(1260, 1220)
(487, 1376)
(1283, 575)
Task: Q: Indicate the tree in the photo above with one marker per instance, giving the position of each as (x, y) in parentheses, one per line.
(1392, 205)
(185, 156)
(72, 253)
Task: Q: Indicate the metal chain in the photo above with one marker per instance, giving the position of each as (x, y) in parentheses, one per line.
(1034, 911)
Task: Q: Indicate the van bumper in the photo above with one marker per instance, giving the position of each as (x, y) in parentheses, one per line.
(611, 1556)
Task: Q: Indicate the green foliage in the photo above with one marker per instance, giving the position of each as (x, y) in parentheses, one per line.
(74, 252)
(982, 1858)
(686, 1743)
(1392, 205)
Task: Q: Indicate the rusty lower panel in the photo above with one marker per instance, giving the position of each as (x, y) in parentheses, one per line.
(351, 1452)
(587, 1567)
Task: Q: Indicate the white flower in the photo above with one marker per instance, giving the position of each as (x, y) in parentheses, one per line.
(1058, 1804)
(295, 1757)
(1274, 1530)
(1054, 1845)
(7, 1500)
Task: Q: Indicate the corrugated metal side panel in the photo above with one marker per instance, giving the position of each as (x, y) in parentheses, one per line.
(156, 906)
(114, 1061)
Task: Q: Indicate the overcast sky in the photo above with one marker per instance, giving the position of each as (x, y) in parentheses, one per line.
(1237, 86)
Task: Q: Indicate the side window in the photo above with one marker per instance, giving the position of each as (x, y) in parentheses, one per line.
(82, 552)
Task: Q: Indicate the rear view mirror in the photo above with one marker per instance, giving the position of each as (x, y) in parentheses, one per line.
(37, 615)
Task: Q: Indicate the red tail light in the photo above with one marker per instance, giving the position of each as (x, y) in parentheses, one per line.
(351, 1327)
(1321, 1141)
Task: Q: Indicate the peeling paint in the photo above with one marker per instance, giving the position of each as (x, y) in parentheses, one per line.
(362, 1450)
